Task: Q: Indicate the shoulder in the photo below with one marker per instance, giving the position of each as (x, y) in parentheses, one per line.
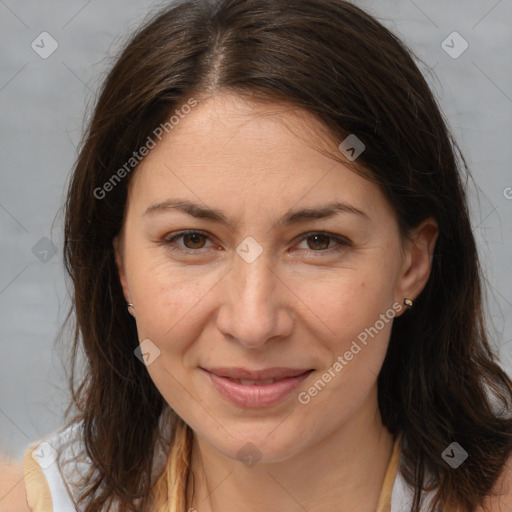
(47, 469)
(501, 498)
(56, 467)
(13, 497)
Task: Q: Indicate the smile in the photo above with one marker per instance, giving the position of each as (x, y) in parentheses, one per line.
(255, 392)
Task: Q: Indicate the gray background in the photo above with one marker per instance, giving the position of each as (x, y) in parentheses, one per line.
(42, 105)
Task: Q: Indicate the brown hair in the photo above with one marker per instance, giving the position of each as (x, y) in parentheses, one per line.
(440, 381)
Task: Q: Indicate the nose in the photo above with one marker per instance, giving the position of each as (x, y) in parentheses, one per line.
(256, 305)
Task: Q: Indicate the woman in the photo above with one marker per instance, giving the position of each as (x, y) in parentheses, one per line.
(276, 284)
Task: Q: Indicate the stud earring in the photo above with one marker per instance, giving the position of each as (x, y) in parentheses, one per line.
(409, 303)
(130, 305)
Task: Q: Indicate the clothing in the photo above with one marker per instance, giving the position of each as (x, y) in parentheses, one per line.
(50, 485)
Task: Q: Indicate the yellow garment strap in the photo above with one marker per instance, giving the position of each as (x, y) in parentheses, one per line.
(384, 504)
(38, 493)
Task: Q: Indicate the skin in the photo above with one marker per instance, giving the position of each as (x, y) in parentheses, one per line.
(300, 304)
(13, 497)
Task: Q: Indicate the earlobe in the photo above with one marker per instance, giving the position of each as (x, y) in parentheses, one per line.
(417, 262)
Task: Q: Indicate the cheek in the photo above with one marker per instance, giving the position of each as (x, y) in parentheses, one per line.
(169, 301)
(354, 318)
(170, 312)
(346, 304)
(360, 318)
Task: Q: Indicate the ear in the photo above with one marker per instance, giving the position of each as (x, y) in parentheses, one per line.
(417, 262)
(118, 245)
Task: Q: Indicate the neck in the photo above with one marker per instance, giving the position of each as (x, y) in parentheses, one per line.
(344, 471)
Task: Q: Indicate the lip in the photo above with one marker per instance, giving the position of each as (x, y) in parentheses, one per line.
(276, 373)
(256, 395)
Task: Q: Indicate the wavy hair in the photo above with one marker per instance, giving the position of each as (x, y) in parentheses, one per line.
(440, 381)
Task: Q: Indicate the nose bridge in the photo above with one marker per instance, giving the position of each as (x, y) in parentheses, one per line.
(254, 281)
(251, 311)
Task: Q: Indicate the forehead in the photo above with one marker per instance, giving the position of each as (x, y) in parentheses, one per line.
(230, 149)
(229, 129)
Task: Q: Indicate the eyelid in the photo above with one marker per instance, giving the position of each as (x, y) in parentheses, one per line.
(342, 241)
(168, 240)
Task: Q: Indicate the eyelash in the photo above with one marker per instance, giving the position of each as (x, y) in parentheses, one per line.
(343, 243)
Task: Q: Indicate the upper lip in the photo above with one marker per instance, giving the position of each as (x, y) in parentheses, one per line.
(264, 374)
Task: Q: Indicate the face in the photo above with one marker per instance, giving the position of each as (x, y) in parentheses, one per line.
(251, 278)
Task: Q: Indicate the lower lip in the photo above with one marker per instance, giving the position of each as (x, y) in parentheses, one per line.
(256, 396)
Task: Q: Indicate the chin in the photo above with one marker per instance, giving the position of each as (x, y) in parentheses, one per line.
(262, 447)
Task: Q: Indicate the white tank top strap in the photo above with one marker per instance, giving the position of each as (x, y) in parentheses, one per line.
(54, 455)
(62, 459)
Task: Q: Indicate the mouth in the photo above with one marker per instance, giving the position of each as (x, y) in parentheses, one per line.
(255, 388)
(246, 382)
(258, 376)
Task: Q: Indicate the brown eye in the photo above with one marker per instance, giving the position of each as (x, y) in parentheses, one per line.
(193, 240)
(324, 243)
(319, 241)
(189, 242)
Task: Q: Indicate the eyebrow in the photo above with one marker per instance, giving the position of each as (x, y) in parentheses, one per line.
(291, 217)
